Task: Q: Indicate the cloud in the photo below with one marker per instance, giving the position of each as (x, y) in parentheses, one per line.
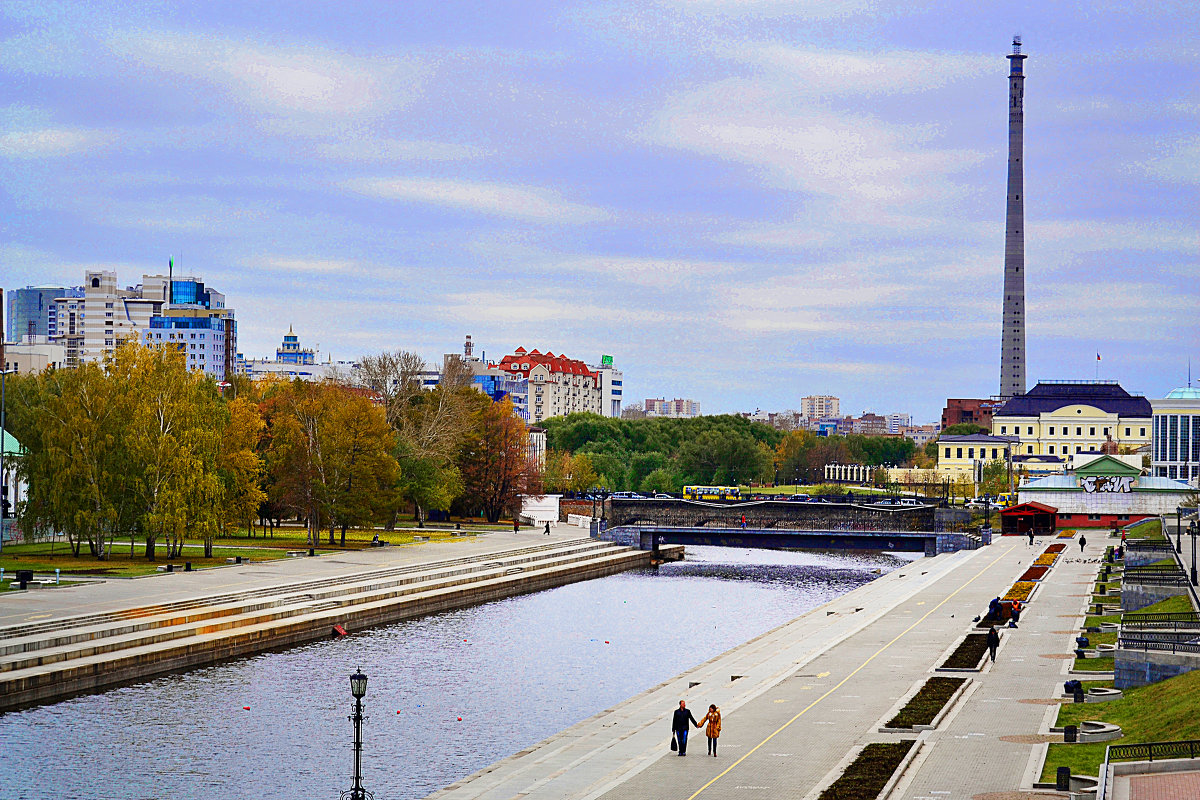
(306, 80)
(1180, 163)
(368, 149)
(493, 199)
(823, 72)
(53, 142)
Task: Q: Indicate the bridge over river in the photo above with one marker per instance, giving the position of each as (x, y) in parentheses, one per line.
(787, 525)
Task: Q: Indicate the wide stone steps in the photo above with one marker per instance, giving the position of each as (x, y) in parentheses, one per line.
(96, 666)
(15, 631)
(117, 633)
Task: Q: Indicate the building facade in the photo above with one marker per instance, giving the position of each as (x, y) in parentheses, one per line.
(31, 312)
(200, 338)
(1105, 492)
(820, 406)
(1176, 436)
(33, 354)
(679, 407)
(958, 455)
(290, 351)
(897, 422)
(557, 385)
(612, 387)
(975, 411)
(1062, 418)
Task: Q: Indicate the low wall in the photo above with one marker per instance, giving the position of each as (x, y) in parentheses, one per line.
(1133, 668)
(1136, 596)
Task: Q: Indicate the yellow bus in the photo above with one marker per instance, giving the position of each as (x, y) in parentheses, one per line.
(1006, 500)
(711, 493)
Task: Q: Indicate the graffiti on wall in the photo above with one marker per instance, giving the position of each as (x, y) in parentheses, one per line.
(1094, 484)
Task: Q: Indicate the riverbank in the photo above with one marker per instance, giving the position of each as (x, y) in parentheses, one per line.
(82, 639)
(801, 700)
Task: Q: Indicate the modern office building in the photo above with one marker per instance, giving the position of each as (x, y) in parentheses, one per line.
(31, 311)
(200, 338)
(611, 386)
(33, 354)
(1176, 436)
(897, 422)
(1062, 418)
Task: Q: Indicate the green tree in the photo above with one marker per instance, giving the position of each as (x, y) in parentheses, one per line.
(494, 459)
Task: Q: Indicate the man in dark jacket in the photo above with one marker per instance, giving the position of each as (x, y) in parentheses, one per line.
(993, 642)
(679, 725)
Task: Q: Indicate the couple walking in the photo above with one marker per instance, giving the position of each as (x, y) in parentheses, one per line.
(679, 728)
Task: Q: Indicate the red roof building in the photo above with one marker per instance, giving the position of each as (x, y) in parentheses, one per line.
(557, 385)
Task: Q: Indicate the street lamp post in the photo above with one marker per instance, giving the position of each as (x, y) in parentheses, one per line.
(358, 688)
(1178, 531)
(1192, 530)
(3, 438)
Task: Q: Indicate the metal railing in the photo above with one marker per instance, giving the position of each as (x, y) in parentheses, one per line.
(1157, 577)
(1164, 645)
(1166, 619)
(1161, 546)
(1151, 750)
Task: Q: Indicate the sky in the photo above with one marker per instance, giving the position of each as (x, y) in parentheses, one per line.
(743, 201)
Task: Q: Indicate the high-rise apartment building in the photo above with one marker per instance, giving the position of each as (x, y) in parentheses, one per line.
(820, 406)
(1012, 342)
(897, 422)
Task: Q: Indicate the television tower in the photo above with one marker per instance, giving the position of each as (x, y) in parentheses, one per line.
(1012, 342)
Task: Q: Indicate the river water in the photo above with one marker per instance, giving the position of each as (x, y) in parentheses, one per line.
(515, 671)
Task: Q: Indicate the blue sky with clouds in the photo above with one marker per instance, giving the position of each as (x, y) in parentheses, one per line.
(744, 201)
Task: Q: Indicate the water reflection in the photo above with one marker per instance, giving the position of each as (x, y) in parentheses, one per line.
(515, 671)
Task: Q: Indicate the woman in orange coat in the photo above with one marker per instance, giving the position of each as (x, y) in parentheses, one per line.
(713, 721)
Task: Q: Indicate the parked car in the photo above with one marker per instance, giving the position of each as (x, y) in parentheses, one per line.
(800, 498)
(908, 501)
(627, 496)
(663, 496)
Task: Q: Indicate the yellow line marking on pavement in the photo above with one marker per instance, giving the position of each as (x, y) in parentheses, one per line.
(822, 674)
(841, 683)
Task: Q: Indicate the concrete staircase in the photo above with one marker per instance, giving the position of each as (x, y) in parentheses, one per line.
(49, 660)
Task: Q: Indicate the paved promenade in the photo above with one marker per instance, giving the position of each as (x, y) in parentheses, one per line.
(120, 593)
(798, 701)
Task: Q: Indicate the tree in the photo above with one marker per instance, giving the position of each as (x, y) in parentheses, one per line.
(239, 466)
(355, 461)
(494, 459)
(964, 429)
(661, 480)
(718, 459)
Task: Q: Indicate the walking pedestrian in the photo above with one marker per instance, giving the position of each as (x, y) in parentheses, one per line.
(993, 642)
(712, 723)
(1122, 536)
(1082, 542)
(516, 525)
(679, 726)
(547, 528)
(743, 521)
(1031, 535)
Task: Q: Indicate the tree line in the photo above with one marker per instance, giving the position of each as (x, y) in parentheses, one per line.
(141, 449)
(664, 454)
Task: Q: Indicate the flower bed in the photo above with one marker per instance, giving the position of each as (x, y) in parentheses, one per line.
(1020, 591)
(1056, 548)
(866, 776)
(1045, 560)
(1034, 574)
(927, 702)
(969, 652)
(1069, 533)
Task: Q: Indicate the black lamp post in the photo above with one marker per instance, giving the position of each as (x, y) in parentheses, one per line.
(1192, 530)
(1178, 531)
(358, 688)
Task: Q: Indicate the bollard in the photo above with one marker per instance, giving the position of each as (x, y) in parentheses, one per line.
(1, 574)
(312, 551)
(1077, 693)
(1079, 653)
(1102, 590)
(187, 566)
(170, 567)
(1062, 777)
(238, 560)
(1071, 736)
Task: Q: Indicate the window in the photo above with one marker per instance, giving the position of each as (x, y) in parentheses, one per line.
(1106, 431)
(1079, 431)
(1003, 429)
(1029, 449)
(1127, 431)
(1051, 430)
(947, 452)
(1143, 433)
(1029, 430)
(970, 452)
(1091, 431)
(1078, 449)
(995, 453)
(959, 452)
(1051, 449)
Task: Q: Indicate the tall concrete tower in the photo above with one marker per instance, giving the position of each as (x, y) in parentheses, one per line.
(1012, 343)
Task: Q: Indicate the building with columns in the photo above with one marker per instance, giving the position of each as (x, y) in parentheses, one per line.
(1176, 436)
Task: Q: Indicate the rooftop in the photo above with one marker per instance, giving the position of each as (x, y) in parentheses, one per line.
(1184, 393)
(1048, 396)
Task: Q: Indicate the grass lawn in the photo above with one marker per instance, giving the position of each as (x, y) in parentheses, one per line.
(1149, 530)
(1095, 621)
(1094, 664)
(1162, 712)
(1101, 638)
(1171, 605)
(45, 558)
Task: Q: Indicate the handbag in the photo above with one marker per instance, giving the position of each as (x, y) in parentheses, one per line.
(674, 746)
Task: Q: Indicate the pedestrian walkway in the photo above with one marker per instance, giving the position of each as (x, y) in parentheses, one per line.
(113, 594)
(799, 701)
